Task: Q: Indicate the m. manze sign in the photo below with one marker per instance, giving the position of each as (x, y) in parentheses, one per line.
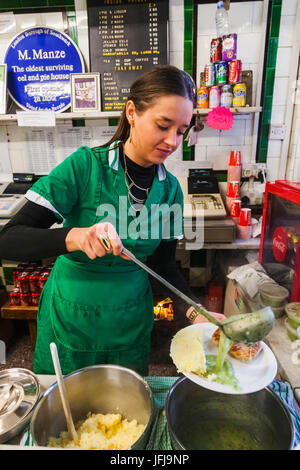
(39, 63)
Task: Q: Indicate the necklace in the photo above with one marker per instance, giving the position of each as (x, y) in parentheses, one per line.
(131, 185)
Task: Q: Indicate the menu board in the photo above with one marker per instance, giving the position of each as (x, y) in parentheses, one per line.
(126, 39)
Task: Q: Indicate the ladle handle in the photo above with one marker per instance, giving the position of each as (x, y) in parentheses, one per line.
(63, 393)
(106, 245)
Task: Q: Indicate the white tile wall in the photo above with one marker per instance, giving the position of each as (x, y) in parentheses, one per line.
(287, 25)
(245, 19)
(293, 170)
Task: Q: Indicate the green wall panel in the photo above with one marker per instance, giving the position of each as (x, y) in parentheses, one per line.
(268, 90)
(188, 55)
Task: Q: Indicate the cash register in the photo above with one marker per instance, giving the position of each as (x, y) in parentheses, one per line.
(201, 193)
(203, 204)
(12, 195)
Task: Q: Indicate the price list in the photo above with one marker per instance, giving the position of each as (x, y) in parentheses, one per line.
(126, 39)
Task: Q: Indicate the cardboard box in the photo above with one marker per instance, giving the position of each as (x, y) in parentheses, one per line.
(236, 301)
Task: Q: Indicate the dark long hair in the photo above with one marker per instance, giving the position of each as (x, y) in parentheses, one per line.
(160, 81)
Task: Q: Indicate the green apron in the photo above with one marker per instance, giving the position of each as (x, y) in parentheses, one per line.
(100, 311)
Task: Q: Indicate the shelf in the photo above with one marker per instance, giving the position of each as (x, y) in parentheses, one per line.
(65, 116)
(22, 313)
(238, 244)
(241, 110)
(117, 114)
(19, 312)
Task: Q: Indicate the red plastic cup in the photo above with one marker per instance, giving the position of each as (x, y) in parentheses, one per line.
(235, 158)
(233, 189)
(245, 224)
(245, 219)
(235, 210)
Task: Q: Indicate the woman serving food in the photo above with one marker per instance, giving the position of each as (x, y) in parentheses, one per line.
(97, 306)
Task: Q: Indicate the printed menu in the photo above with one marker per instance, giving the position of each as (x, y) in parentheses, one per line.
(126, 39)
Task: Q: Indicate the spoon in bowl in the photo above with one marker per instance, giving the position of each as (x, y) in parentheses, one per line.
(63, 393)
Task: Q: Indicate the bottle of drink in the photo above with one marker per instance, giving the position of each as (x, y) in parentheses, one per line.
(222, 20)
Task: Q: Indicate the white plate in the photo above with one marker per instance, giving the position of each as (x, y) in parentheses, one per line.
(251, 375)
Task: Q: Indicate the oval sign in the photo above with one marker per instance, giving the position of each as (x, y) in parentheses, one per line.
(39, 63)
(279, 244)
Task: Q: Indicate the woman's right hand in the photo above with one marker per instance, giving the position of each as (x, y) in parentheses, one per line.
(86, 239)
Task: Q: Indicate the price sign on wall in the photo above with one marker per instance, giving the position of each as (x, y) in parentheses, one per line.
(126, 37)
(39, 63)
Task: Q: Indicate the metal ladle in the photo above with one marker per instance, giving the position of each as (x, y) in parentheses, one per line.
(63, 393)
(246, 328)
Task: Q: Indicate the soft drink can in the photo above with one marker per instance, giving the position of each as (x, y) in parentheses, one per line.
(221, 73)
(25, 299)
(23, 282)
(35, 298)
(235, 71)
(226, 96)
(239, 95)
(202, 98)
(15, 273)
(214, 97)
(216, 50)
(34, 282)
(14, 297)
(209, 75)
(229, 47)
(43, 279)
(235, 210)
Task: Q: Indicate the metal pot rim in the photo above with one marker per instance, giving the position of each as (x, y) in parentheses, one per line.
(86, 369)
(269, 390)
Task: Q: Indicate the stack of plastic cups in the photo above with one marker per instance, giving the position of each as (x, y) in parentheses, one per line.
(235, 210)
(233, 201)
(233, 193)
(235, 166)
(245, 224)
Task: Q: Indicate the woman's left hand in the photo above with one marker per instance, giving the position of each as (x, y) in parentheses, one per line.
(200, 318)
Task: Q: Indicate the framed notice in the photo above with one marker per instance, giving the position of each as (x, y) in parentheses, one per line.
(85, 92)
(3, 94)
(126, 39)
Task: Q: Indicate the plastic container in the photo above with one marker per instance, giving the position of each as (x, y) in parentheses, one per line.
(278, 311)
(222, 20)
(273, 294)
(293, 313)
(291, 332)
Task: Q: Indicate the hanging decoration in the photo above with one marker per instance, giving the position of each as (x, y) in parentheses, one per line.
(220, 118)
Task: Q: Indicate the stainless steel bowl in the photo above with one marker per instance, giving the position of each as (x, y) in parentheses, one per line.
(200, 419)
(97, 389)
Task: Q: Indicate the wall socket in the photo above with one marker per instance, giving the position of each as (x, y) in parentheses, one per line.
(253, 170)
(277, 132)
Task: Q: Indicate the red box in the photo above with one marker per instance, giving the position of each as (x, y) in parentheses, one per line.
(279, 250)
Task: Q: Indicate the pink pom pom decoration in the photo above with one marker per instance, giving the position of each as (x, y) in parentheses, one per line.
(220, 118)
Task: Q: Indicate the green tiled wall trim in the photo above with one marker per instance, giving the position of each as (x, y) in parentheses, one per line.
(21, 4)
(275, 16)
(188, 55)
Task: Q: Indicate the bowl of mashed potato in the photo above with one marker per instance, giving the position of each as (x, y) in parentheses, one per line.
(112, 409)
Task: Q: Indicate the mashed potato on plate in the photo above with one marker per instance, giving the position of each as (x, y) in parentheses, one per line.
(98, 431)
(187, 351)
